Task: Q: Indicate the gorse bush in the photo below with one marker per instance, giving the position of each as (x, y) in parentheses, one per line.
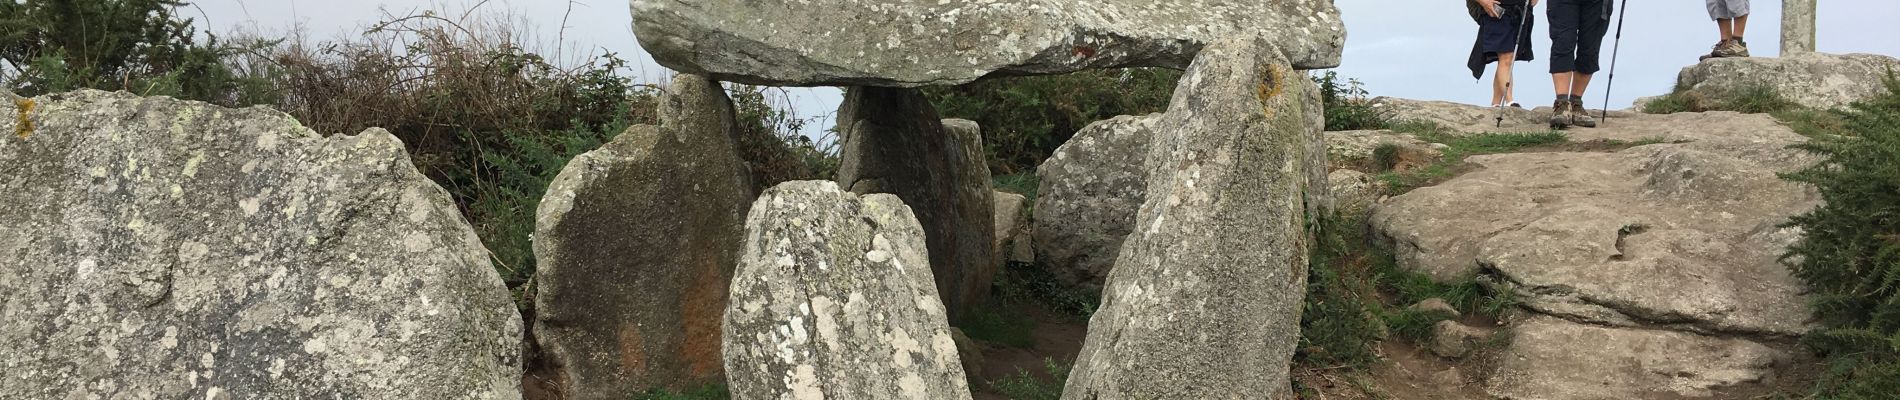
(1024, 119)
(140, 46)
(1850, 255)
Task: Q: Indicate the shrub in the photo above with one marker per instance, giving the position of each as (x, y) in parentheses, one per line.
(1347, 105)
(140, 46)
(1337, 322)
(1024, 119)
(1850, 255)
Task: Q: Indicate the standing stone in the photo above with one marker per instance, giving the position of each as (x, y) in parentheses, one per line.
(893, 142)
(1797, 26)
(160, 248)
(635, 244)
(1012, 230)
(1087, 197)
(833, 299)
(1205, 297)
(924, 43)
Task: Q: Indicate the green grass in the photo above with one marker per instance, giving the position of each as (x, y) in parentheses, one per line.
(1026, 386)
(1032, 282)
(1026, 184)
(1747, 100)
(999, 324)
(708, 392)
(1458, 148)
(1357, 295)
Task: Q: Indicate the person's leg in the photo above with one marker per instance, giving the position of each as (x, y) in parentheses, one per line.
(1741, 26)
(1562, 16)
(1501, 85)
(1727, 26)
(1591, 29)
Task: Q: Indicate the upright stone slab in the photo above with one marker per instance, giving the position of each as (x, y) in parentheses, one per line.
(1089, 191)
(894, 143)
(834, 300)
(1205, 297)
(1797, 26)
(635, 244)
(923, 43)
(159, 248)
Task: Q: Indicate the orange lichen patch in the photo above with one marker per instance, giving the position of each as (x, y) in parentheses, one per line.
(1272, 84)
(702, 307)
(23, 123)
(633, 356)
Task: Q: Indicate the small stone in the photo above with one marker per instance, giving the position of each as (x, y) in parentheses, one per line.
(1436, 305)
(1451, 339)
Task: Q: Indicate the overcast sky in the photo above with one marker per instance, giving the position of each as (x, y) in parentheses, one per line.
(1406, 48)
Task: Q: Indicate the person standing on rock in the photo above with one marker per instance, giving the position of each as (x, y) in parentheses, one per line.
(1576, 35)
(1731, 16)
(1504, 28)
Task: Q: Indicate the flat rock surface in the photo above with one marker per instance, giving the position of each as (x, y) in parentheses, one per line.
(158, 248)
(920, 43)
(833, 299)
(1550, 358)
(1673, 233)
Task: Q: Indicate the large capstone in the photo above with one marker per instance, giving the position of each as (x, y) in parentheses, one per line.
(1809, 79)
(159, 248)
(833, 299)
(920, 43)
(1088, 195)
(893, 142)
(635, 244)
(1205, 297)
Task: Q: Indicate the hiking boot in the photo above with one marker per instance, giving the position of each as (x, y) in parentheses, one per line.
(1560, 114)
(1735, 48)
(1579, 115)
(1714, 52)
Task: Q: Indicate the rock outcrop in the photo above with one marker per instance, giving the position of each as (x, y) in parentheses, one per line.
(635, 244)
(1458, 117)
(910, 44)
(158, 248)
(893, 142)
(1673, 246)
(833, 298)
(1205, 296)
(1810, 79)
(1087, 196)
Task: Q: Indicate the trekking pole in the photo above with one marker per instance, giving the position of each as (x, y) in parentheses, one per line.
(1623, 11)
(1517, 49)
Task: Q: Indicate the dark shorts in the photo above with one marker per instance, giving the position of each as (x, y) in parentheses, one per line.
(1495, 34)
(1576, 34)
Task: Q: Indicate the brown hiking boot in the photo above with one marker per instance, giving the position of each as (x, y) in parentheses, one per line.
(1579, 115)
(1560, 114)
(1727, 48)
(1735, 48)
